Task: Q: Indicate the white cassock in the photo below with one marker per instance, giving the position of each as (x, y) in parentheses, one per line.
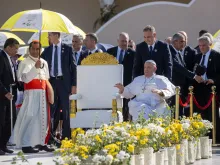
(32, 122)
(145, 100)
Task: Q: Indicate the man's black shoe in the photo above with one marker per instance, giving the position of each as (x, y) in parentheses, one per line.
(6, 150)
(45, 148)
(2, 152)
(29, 150)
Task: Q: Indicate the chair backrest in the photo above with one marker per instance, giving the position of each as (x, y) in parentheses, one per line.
(96, 85)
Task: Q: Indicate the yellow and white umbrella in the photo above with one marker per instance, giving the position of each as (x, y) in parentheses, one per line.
(39, 21)
(65, 38)
(5, 35)
(216, 40)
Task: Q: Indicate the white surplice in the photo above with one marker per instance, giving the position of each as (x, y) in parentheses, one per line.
(145, 100)
(31, 124)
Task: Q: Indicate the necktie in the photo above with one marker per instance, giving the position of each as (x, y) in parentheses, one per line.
(181, 59)
(55, 62)
(121, 56)
(203, 60)
(76, 57)
(13, 69)
(151, 50)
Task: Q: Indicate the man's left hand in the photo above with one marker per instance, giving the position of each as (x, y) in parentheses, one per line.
(157, 91)
(209, 81)
(73, 90)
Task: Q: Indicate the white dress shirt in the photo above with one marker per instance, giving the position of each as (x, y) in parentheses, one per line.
(94, 50)
(119, 52)
(12, 66)
(152, 47)
(205, 63)
(59, 60)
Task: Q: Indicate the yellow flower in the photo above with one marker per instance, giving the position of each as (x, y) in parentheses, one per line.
(98, 139)
(130, 148)
(178, 146)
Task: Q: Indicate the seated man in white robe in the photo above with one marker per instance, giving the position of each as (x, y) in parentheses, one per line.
(150, 90)
(31, 127)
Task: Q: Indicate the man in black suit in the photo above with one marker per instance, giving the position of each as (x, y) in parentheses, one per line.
(152, 49)
(90, 42)
(181, 74)
(200, 35)
(62, 68)
(125, 56)
(7, 77)
(188, 53)
(78, 53)
(208, 59)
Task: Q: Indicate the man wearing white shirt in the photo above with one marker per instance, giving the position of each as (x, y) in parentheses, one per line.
(125, 56)
(78, 53)
(207, 65)
(7, 77)
(90, 42)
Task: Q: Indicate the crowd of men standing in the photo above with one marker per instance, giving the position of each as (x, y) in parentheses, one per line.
(180, 63)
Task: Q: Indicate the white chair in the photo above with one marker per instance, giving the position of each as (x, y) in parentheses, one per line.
(95, 92)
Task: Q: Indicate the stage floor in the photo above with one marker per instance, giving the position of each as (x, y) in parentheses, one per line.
(47, 158)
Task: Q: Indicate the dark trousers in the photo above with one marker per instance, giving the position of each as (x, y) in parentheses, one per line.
(125, 112)
(5, 121)
(61, 102)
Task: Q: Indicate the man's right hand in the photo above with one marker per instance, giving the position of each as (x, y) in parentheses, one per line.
(120, 87)
(38, 64)
(9, 96)
(199, 79)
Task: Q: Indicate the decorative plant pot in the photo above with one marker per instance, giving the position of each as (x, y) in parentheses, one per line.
(180, 155)
(185, 143)
(149, 157)
(198, 150)
(191, 152)
(195, 148)
(204, 147)
(210, 148)
(171, 155)
(159, 157)
(165, 156)
(137, 159)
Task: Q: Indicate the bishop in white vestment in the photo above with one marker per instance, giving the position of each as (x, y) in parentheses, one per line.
(32, 123)
(150, 90)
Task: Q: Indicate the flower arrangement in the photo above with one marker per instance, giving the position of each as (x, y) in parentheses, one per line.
(117, 142)
(99, 59)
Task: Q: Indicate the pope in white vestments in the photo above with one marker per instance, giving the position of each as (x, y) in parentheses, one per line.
(32, 123)
(150, 90)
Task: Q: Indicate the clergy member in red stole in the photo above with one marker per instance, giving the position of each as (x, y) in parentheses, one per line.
(32, 127)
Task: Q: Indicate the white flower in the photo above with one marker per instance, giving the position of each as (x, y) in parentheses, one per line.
(185, 126)
(98, 158)
(109, 158)
(122, 155)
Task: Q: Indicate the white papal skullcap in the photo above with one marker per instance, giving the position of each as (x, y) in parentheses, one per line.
(151, 61)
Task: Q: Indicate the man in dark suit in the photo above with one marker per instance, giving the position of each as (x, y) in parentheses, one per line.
(181, 74)
(208, 59)
(7, 77)
(90, 42)
(152, 49)
(188, 53)
(125, 56)
(78, 53)
(200, 35)
(62, 68)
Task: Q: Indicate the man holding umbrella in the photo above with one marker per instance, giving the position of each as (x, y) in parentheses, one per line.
(62, 68)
